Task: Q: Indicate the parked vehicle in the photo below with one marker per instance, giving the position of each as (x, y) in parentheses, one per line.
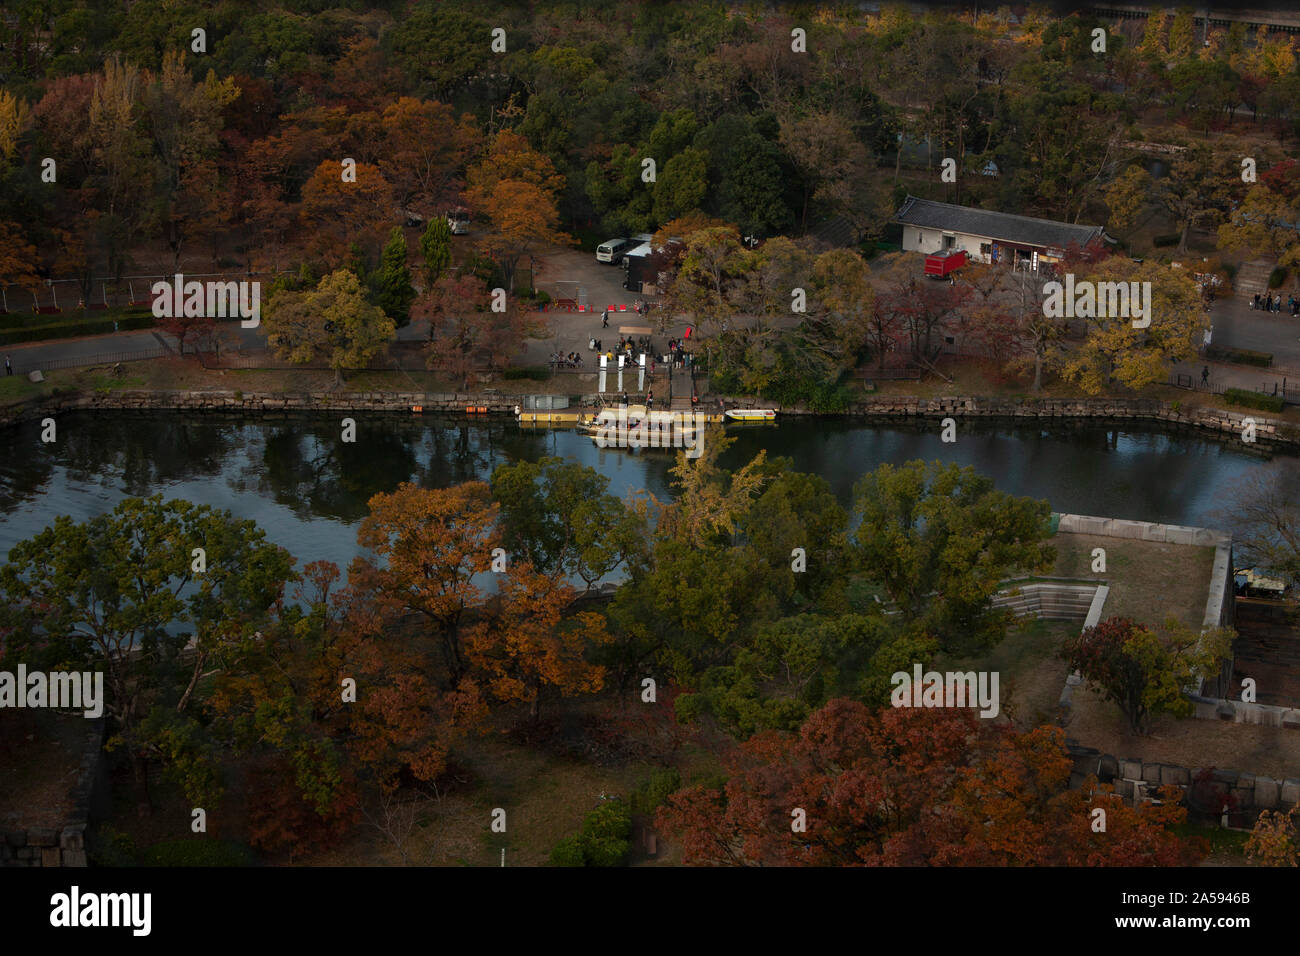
(612, 251)
(939, 265)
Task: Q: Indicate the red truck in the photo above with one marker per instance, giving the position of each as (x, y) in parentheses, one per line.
(940, 264)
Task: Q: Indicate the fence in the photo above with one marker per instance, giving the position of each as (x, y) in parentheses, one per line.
(99, 358)
(889, 374)
(1189, 381)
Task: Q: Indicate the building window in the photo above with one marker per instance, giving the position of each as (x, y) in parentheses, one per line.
(986, 250)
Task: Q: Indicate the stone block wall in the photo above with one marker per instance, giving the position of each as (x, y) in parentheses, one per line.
(65, 845)
(1136, 779)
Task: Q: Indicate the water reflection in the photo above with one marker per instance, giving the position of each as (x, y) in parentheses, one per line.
(308, 488)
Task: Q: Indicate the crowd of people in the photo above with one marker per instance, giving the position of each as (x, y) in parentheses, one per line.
(1268, 303)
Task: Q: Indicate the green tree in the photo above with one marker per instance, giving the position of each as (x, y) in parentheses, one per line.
(394, 278)
(435, 246)
(940, 540)
(127, 593)
(681, 186)
(559, 516)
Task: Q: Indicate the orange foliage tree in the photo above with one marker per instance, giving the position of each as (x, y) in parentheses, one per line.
(517, 188)
(906, 787)
(525, 647)
(341, 213)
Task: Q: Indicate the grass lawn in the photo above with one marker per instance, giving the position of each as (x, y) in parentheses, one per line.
(1030, 672)
(1148, 579)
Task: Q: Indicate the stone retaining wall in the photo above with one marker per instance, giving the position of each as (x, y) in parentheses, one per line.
(1268, 430)
(65, 845)
(1136, 779)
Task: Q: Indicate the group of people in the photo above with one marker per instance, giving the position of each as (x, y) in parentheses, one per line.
(569, 360)
(1274, 303)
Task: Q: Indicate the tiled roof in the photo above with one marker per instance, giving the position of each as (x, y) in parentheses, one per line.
(1024, 230)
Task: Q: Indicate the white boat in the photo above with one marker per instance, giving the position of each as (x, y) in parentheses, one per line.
(752, 414)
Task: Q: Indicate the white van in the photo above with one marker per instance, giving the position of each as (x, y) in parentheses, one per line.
(612, 251)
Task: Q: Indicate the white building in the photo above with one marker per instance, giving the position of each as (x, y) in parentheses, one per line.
(987, 236)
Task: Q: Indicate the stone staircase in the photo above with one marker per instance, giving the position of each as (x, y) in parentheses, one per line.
(1252, 277)
(1048, 600)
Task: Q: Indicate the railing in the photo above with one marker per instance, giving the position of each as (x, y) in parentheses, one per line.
(1184, 380)
(100, 358)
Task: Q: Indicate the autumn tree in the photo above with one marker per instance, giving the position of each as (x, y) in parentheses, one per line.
(917, 303)
(911, 787)
(516, 187)
(456, 307)
(1143, 670)
(1117, 348)
(426, 148)
(525, 646)
(342, 212)
(332, 321)
(186, 119)
(433, 543)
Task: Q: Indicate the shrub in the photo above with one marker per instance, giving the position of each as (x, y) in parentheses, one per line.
(71, 328)
(652, 794)
(535, 373)
(191, 852)
(1220, 353)
(1267, 403)
(605, 838)
(1276, 277)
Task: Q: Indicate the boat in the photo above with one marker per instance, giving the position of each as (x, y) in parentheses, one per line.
(752, 414)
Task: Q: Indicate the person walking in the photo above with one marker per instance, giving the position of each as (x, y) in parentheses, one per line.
(604, 319)
(1255, 304)
(9, 369)
(1205, 375)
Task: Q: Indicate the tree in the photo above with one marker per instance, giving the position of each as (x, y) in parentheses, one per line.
(1265, 220)
(516, 187)
(434, 542)
(917, 304)
(1136, 356)
(1265, 521)
(681, 186)
(525, 646)
(912, 787)
(1192, 193)
(426, 149)
(395, 292)
(559, 516)
(122, 592)
(1143, 671)
(1275, 838)
(333, 321)
(186, 120)
(435, 247)
(456, 307)
(940, 540)
(340, 213)
(14, 115)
